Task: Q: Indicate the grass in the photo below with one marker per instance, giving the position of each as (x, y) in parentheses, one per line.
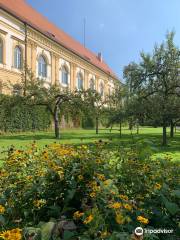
(80, 136)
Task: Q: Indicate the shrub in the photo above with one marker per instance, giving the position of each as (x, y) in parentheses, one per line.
(15, 116)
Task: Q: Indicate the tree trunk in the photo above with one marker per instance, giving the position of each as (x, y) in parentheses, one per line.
(120, 129)
(56, 123)
(130, 125)
(110, 130)
(164, 142)
(172, 129)
(97, 125)
(137, 125)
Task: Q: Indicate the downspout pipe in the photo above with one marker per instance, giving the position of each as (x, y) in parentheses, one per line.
(25, 62)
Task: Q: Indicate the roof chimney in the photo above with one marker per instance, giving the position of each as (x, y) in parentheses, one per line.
(100, 57)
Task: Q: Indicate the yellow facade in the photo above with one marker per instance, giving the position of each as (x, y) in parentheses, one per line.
(34, 44)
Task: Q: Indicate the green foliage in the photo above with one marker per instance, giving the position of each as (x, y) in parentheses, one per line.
(154, 85)
(87, 122)
(16, 116)
(89, 192)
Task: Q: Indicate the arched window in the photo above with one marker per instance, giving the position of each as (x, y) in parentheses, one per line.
(42, 66)
(1, 50)
(17, 57)
(101, 89)
(92, 84)
(64, 75)
(79, 81)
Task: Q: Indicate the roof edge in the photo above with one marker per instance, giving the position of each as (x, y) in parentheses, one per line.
(24, 21)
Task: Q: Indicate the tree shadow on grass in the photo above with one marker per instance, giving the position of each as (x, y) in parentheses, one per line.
(113, 138)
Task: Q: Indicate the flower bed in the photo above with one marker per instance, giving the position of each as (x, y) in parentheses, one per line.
(86, 192)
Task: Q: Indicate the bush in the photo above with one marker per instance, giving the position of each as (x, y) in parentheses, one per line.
(87, 122)
(15, 116)
(65, 192)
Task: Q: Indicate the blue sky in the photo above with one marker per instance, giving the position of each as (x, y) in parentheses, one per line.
(120, 29)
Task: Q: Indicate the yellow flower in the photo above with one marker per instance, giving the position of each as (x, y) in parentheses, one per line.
(127, 206)
(84, 147)
(100, 177)
(123, 197)
(157, 186)
(98, 161)
(16, 230)
(107, 182)
(78, 214)
(60, 173)
(92, 195)
(29, 177)
(45, 155)
(119, 218)
(2, 209)
(14, 234)
(5, 235)
(39, 203)
(80, 177)
(92, 184)
(104, 234)
(115, 205)
(88, 219)
(112, 192)
(142, 220)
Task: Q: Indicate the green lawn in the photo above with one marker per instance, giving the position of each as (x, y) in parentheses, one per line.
(78, 136)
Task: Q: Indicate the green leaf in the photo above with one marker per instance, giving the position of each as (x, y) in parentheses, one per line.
(2, 220)
(68, 235)
(28, 231)
(171, 207)
(46, 230)
(117, 236)
(71, 194)
(176, 193)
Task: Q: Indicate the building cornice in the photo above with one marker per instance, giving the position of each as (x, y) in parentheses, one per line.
(61, 45)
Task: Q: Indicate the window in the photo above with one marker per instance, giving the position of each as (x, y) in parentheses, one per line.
(1, 50)
(17, 57)
(64, 75)
(101, 90)
(79, 81)
(92, 85)
(42, 67)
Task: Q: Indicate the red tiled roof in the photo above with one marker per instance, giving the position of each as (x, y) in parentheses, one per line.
(27, 14)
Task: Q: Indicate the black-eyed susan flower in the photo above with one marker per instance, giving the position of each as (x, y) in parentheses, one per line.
(142, 220)
(88, 219)
(2, 209)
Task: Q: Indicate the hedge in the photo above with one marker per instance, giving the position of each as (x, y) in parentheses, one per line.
(19, 117)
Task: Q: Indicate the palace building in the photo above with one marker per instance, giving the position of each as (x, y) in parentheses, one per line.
(28, 39)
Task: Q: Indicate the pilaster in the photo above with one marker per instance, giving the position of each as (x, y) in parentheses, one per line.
(53, 68)
(33, 57)
(86, 74)
(73, 77)
(29, 56)
(57, 69)
(97, 83)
